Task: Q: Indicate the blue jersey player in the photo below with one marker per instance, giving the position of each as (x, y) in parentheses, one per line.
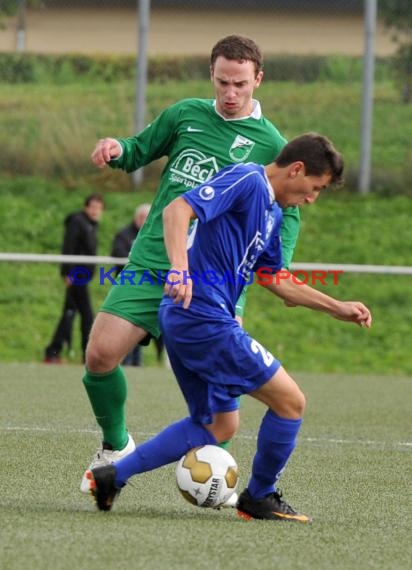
(238, 215)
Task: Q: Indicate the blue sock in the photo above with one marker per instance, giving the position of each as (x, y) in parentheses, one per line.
(275, 444)
(166, 447)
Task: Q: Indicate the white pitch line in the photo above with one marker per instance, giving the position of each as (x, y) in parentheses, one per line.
(316, 440)
(355, 441)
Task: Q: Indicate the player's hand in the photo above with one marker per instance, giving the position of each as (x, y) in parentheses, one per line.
(179, 286)
(105, 151)
(354, 312)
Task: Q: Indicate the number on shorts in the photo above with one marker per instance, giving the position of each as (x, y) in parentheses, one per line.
(257, 348)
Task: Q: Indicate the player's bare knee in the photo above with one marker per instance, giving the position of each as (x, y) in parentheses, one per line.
(295, 406)
(291, 407)
(224, 434)
(294, 402)
(98, 360)
(300, 403)
(225, 425)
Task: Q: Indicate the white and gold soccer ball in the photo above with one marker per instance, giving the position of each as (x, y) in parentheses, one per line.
(207, 476)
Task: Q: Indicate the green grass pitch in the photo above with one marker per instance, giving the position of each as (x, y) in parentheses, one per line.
(351, 470)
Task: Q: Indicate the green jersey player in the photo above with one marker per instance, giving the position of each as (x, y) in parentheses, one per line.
(199, 137)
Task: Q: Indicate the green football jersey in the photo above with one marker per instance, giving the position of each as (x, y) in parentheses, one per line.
(198, 142)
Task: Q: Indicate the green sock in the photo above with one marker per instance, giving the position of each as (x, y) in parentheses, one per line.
(225, 444)
(107, 394)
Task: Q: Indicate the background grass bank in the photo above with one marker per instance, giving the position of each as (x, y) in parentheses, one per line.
(340, 228)
(49, 130)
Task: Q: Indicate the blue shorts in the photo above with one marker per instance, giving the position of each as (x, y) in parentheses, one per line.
(213, 358)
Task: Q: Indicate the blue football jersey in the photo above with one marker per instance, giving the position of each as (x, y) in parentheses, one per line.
(237, 232)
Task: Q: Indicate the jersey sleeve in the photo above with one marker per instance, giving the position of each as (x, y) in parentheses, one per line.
(150, 144)
(227, 190)
(289, 232)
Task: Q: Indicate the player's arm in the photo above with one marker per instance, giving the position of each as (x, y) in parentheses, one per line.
(296, 292)
(106, 149)
(131, 153)
(176, 220)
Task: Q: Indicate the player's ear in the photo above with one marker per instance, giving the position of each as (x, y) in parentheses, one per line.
(211, 73)
(258, 79)
(297, 169)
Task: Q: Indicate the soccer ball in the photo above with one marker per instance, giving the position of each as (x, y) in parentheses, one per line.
(207, 476)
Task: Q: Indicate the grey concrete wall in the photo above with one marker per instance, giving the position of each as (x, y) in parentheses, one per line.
(179, 31)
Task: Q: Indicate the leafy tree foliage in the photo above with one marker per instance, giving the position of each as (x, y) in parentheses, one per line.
(12, 7)
(397, 15)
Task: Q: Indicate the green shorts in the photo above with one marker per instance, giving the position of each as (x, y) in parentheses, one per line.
(136, 298)
(241, 302)
(137, 295)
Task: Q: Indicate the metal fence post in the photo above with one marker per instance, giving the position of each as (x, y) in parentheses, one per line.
(143, 11)
(370, 10)
(21, 28)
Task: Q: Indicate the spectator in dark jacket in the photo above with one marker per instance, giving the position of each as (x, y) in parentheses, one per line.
(122, 243)
(80, 238)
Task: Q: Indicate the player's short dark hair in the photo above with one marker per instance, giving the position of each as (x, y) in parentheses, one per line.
(318, 155)
(237, 48)
(95, 197)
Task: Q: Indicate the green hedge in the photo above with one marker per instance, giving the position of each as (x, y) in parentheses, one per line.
(60, 69)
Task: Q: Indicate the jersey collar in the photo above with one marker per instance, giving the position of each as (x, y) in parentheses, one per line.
(271, 192)
(255, 114)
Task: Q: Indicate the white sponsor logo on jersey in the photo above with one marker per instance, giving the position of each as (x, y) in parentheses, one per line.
(270, 222)
(192, 168)
(193, 130)
(207, 193)
(253, 250)
(240, 149)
